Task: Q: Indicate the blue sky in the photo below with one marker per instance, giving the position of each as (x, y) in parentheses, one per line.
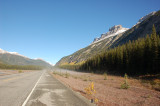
(51, 29)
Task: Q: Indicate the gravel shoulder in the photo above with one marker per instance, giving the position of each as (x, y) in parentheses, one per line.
(108, 91)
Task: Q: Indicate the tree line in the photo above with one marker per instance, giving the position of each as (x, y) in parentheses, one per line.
(20, 67)
(137, 57)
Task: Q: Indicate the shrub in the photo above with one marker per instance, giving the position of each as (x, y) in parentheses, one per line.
(91, 91)
(20, 71)
(125, 85)
(105, 75)
(85, 79)
(67, 75)
(75, 77)
(60, 73)
(54, 72)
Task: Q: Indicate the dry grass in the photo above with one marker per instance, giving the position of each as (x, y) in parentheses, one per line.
(151, 81)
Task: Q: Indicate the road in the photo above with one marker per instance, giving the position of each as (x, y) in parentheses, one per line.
(15, 88)
(37, 88)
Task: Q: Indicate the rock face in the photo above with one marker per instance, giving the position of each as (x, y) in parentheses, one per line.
(145, 17)
(113, 31)
(115, 28)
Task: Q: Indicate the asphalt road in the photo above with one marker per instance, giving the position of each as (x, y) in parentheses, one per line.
(37, 88)
(50, 92)
(15, 88)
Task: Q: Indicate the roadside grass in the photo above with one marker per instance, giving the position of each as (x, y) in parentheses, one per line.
(66, 75)
(85, 79)
(74, 76)
(54, 72)
(148, 81)
(151, 81)
(20, 71)
(61, 74)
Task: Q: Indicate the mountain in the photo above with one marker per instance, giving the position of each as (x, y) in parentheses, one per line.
(113, 31)
(97, 46)
(117, 35)
(145, 17)
(141, 29)
(14, 58)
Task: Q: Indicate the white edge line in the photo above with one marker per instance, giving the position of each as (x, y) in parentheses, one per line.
(24, 103)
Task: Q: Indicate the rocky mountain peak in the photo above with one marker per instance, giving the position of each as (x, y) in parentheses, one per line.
(2, 51)
(113, 31)
(115, 28)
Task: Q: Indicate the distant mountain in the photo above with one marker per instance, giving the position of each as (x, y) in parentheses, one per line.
(14, 58)
(97, 46)
(117, 35)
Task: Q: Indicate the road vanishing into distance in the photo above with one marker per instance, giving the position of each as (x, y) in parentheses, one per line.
(37, 88)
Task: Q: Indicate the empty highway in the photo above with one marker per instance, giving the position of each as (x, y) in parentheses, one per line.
(37, 88)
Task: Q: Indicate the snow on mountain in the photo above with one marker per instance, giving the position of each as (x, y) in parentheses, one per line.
(117, 29)
(113, 31)
(39, 59)
(14, 53)
(3, 51)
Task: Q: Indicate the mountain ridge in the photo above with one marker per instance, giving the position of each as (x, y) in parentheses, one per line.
(14, 58)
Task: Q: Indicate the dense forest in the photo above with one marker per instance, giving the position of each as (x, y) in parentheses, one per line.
(137, 57)
(20, 67)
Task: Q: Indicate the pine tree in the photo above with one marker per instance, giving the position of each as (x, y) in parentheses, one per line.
(141, 56)
(158, 58)
(147, 54)
(154, 48)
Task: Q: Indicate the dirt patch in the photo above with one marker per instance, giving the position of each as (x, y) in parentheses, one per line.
(108, 91)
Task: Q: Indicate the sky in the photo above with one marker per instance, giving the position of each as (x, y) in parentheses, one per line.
(52, 29)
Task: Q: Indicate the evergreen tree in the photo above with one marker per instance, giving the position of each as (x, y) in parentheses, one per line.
(141, 56)
(154, 48)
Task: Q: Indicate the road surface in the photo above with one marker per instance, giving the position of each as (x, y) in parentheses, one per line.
(37, 88)
(15, 88)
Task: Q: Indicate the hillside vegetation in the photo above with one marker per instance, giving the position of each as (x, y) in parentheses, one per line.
(12, 59)
(20, 67)
(137, 57)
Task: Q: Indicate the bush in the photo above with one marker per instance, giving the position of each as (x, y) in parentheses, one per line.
(54, 72)
(67, 75)
(125, 85)
(91, 91)
(105, 76)
(20, 71)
